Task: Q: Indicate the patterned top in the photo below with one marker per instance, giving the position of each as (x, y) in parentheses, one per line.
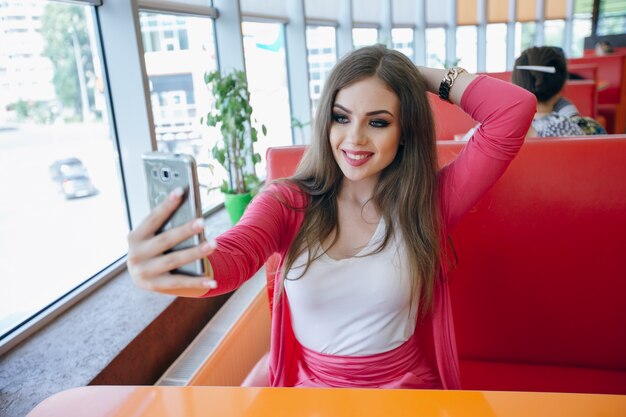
(554, 124)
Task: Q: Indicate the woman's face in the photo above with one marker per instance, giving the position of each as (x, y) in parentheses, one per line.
(365, 129)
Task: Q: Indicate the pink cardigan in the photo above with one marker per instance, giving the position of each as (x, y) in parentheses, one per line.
(505, 112)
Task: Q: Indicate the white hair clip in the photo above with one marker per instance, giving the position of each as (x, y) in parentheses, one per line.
(540, 68)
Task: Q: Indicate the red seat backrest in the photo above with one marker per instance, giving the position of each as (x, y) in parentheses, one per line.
(281, 163)
(587, 71)
(611, 70)
(583, 94)
(540, 276)
(450, 120)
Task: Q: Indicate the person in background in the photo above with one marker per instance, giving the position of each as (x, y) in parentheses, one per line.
(543, 72)
(361, 228)
(604, 48)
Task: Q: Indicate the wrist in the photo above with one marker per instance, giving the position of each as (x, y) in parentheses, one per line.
(448, 81)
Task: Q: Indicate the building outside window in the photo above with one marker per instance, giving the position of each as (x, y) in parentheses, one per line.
(364, 37)
(467, 47)
(266, 68)
(321, 44)
(178, 51)
(402, 40)
(435, 47)
(63, 218)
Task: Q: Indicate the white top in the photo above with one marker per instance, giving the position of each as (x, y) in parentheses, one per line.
(355, 306)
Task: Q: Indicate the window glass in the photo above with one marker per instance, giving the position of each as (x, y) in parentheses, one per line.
(496, 47)
(554, 32)
(524, 36)
(63, 217)
(402, 39)
(612, 17)
(583, 7)
(466, 47)
(435, 47)
(266, 68)
(179, 50)
(321, 56)
(364, 37)
(580, 30)
(581, 26)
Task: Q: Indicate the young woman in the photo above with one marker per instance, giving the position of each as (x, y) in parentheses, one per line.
(543, 72)
(360, 228)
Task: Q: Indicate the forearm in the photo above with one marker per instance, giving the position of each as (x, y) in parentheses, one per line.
(433, 77)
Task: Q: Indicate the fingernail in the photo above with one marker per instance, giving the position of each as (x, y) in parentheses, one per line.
(210, 283)
(176, 193)
(198, 224)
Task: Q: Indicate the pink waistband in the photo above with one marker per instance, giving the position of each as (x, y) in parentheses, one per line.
(402, 367)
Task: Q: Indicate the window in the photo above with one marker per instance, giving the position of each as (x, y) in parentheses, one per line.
(264, 50)
(435, 47)
(364, 37)
(524, 36)
(612, 17)
(163, 32)
(554, 32)
(402, 40)
(179, 50)
(467, 47)
(496, 47)
(319, 38)
(60, 155)
(581, 26)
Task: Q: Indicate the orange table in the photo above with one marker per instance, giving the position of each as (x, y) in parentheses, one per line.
(95, 401)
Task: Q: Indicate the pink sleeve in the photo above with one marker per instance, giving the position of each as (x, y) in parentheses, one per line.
(505, 112)
(266, 227)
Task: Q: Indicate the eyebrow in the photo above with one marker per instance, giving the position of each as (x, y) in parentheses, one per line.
(371, 113)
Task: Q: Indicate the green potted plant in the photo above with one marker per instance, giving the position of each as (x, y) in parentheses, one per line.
(231, 112)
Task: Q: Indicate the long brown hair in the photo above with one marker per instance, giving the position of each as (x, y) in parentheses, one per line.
(406, 192)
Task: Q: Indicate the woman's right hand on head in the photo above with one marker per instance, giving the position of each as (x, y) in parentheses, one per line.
(149, 265)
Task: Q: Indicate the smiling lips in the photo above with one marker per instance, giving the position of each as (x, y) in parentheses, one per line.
(356, 158)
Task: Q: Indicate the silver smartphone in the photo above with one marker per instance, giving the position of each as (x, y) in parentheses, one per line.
(164, 173)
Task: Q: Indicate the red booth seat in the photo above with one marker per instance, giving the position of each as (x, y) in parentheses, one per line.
(450, 120)
(539, 293)
(539, 289)
(583, 94)
(612, 98)
(587, 71)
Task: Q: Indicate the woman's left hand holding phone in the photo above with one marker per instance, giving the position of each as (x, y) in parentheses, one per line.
(149, 265)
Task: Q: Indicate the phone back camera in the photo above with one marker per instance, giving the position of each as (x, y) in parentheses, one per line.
(166, 174)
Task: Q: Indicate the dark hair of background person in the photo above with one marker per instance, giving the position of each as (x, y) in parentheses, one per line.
(406, 193)
(542, 84)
